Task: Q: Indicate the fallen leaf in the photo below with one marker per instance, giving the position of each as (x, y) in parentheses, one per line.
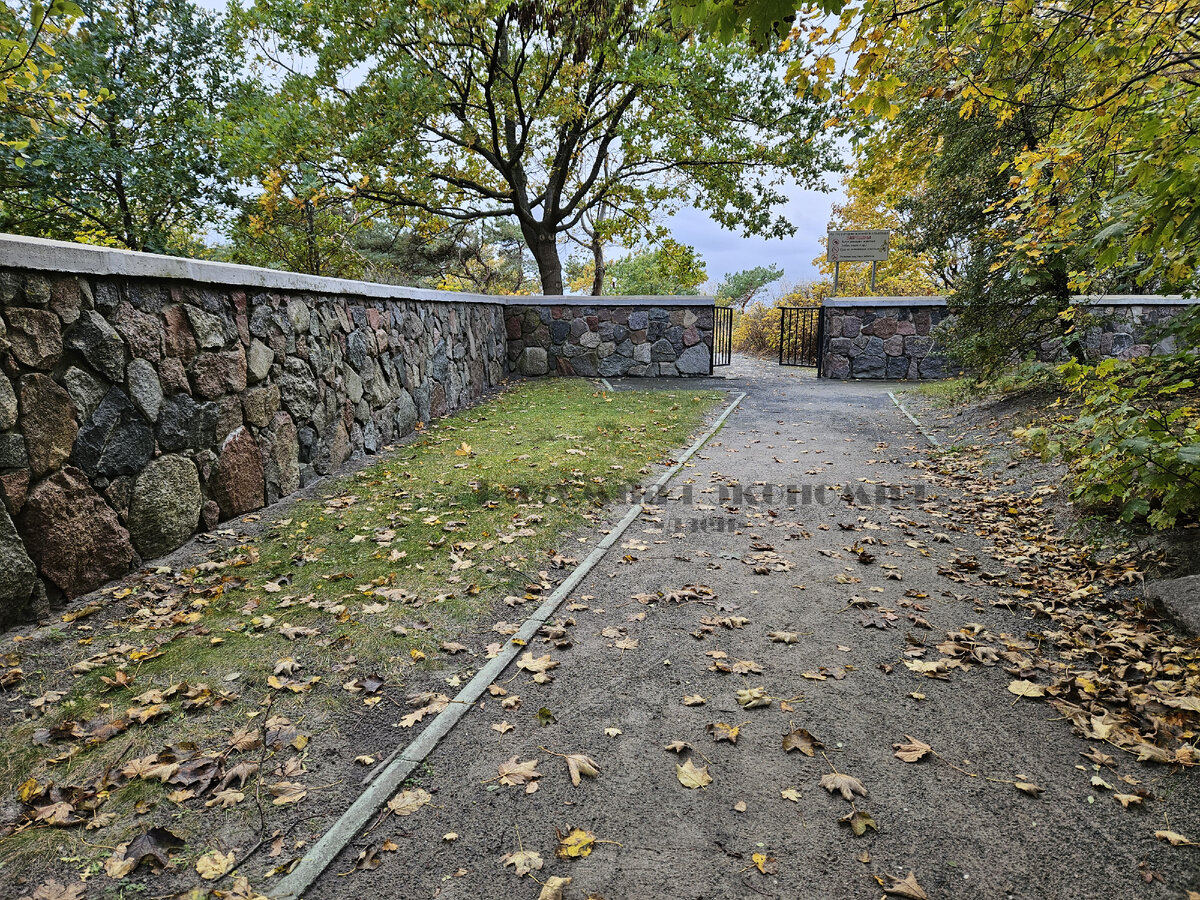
(575, 844)
(1026, 689)
(226, 798)
(694, 700)
(579, 764)
(859, 821)
(790, 794)
(523, 861)
(612, 732)
(801, 740)
(749, 698)
(553, 888)
(784, 637)
(691, 777)
(678, 746)
(513, 772)
(503, 727)
(214, 864)
(1175, 839)
(409, 801)
(846, 785)
(722, 732)
(912, 751)
(1126, 800)
(906, 887)
(288, 792)
(1028, 787)
(768, 865)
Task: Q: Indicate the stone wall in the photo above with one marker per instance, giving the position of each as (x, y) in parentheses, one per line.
(894, 337)
(145, 397)
(884, 341)
(644, 336)
(1124, 329)
(134, 411)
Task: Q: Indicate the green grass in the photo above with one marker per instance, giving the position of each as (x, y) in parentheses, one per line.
(503, 486)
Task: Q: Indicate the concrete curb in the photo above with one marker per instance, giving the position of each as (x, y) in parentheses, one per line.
(401, 764)
(900, 406)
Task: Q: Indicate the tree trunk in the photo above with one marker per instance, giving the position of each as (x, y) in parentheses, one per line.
(544, 248)
(598, 257)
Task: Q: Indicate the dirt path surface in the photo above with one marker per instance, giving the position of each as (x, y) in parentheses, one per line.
(633, 643)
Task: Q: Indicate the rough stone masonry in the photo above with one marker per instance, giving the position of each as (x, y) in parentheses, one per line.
(143, 398)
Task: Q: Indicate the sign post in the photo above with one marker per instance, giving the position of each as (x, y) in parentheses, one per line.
(870, 245)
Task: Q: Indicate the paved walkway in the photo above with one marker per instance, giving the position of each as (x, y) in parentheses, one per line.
(618, 692)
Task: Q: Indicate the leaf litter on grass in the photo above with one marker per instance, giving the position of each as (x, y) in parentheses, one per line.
(353, 593)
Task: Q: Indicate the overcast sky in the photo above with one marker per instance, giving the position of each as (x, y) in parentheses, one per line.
(725, 251)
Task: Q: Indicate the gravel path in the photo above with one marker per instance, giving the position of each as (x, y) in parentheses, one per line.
(629, 665)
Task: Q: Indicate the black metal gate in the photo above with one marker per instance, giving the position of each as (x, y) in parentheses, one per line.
(722, 335)
(800, 336)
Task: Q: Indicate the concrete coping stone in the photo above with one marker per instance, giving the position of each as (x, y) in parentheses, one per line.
(1094, 300)
(40, 254)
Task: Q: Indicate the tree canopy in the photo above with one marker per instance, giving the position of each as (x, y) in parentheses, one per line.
(142, 169)
(467, 110)
(664, 269)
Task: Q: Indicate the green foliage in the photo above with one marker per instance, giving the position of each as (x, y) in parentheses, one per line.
(739, 288)
(668, 269)
(1131, 433)
(141, 169)
(756, 327)
(31, 92)
(542, 114)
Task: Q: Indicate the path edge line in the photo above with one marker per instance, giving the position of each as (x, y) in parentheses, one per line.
(921, 428)
(402, 762)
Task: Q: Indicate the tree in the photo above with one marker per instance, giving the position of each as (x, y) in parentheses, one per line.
(30, 89)
(142, 169)
(668, 269)
(542, 113)
(739, 288)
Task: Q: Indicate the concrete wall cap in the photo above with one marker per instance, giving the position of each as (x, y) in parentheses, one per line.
(40, 254)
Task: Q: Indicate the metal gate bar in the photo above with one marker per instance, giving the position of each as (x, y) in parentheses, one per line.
(722, 351)
(799, 336)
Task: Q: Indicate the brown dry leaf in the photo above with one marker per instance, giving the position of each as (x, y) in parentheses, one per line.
(523, 861)
(846, 785)
(1028, 787)
(1127, 799)
(678, 746)
(801, 740)
(286, 792)
(540, 666)
(409, 801)
(53, 890)
(1175, 839)
(905, 887)
(784, 637)
(579, 764)
(694, 700)
(513, 772)
(214, 864)
(553, 888)
(749, 698)
(626, 643)
(503, 727)
(226, 798)
(722, 732)
(912, 751)
(790, 794)
(1024, 688)
(691, 777)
